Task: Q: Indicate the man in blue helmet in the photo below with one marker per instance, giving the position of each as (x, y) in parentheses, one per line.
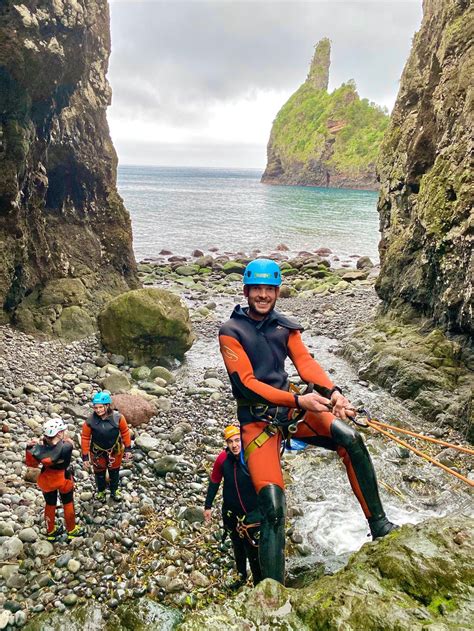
(255, 343)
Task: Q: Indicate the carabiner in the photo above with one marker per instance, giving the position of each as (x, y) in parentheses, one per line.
(362, 418)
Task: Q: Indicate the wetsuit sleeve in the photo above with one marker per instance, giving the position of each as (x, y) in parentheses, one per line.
(211, 494)
(30, 459)
(66, 453)
(215, 479)
(125, 433)
(86, 441)
(241, 373)
(308, 368)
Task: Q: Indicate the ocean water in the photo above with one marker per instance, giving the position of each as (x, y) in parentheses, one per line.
(181, 209)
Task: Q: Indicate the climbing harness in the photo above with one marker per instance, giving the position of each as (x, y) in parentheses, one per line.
(363, 419)
(243, 530)
(287, 428)
(97, 451)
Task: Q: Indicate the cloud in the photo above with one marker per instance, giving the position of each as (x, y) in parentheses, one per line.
(178, 62)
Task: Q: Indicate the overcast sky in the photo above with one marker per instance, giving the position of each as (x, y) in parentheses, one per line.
(198, 83)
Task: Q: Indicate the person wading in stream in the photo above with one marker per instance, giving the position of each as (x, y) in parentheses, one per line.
(53, 455)
(105, 440)
(255, 343)
(239, 510)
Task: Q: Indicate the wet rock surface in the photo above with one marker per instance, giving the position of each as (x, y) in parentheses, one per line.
(425, 169)
(65, 235)
(417, 578)
(154, 544)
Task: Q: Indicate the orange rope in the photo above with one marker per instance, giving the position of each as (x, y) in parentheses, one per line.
(420, 453)
(431, 440)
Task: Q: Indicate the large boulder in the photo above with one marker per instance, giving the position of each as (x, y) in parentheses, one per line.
(417, 578)
(135, 408)
(115, 383)
(145, 325)
(141, 614)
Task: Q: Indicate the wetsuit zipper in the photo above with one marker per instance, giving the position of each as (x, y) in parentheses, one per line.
(275, 358)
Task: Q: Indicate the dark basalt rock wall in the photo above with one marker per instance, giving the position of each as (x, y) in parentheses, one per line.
(421, 347)
(425, 171)
(65, 235)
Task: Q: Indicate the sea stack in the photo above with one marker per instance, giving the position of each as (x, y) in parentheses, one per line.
(322, 139)
(65, 235)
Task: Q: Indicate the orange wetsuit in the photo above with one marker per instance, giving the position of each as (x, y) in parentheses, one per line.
(104, 440)
(254, 353)
(55, 477)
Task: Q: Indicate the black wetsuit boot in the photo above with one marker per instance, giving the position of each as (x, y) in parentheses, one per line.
(252, 555)
(114, 480)
(100, 481)
(240, 560)
(364, 471)
(271, 502)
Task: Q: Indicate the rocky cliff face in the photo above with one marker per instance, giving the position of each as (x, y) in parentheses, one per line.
(426, 197)
(65, 235)
(421, 346)
(321, 139)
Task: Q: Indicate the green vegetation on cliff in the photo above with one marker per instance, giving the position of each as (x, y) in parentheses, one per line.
(311, 118)
(325, 139)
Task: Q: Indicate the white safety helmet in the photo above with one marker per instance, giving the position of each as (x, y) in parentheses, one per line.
(53, 427)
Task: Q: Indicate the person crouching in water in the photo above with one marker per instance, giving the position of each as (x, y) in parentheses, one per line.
(239, 510)
(53, 455)
(105, 440)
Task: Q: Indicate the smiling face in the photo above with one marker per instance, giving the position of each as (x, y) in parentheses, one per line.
(261, 299)
(234, 445)
(100, 410)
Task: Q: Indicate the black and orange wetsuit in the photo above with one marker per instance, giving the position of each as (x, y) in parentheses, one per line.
(104, 441)
(254, 353)
(55, 477)
(239, 510)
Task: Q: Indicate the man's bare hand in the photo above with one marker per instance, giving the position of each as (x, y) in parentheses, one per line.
(342, 407)
(314, 402)
(86, 465)
(207, 515)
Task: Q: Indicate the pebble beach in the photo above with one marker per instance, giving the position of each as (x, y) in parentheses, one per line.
(155, 542)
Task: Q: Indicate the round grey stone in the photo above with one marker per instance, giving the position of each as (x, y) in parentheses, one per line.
(28, 535)
(43, 549)
(73, 565)
(11, 548)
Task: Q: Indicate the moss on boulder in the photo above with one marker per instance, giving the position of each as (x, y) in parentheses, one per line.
(419, 365)
(418, 576)
(141, 615)
(74, 323)
(145, 325)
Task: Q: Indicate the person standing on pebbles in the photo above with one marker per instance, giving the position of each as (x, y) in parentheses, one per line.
(239, 509)
(105, 441)
(255, 343)
(53, 455)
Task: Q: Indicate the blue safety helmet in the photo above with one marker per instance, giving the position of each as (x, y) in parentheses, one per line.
(262, 272)
(102, 398)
